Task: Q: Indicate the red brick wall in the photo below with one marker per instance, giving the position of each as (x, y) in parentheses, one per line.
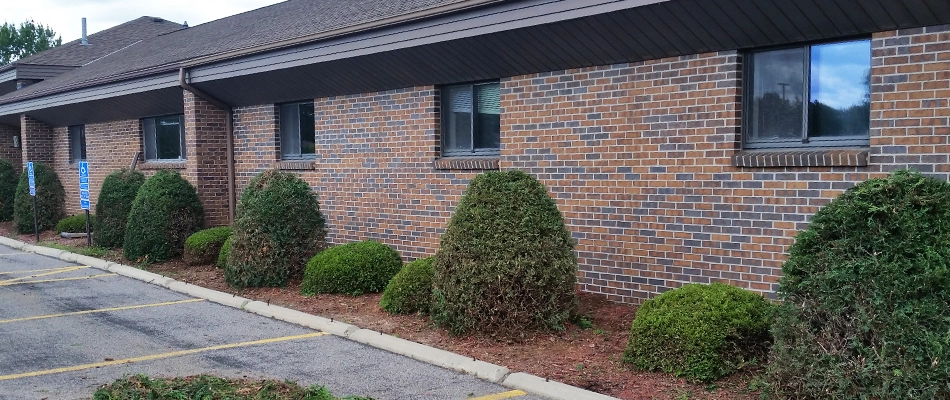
(206, 164)
(7, 151)
(255, 142)
(36, 141)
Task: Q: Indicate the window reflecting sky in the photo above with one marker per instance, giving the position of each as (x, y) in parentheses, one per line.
(839, 73)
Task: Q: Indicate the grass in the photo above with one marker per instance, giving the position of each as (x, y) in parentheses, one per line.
(207, 387)
(96, 252)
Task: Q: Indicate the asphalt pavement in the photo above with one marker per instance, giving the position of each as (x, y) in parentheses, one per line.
(66, 329)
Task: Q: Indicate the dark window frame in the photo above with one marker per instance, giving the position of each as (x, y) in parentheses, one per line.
(72, 132)
(445, 107)
(182, 156)
(300, 154)
(748, 91)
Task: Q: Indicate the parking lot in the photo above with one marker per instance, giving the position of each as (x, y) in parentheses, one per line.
(66, 329)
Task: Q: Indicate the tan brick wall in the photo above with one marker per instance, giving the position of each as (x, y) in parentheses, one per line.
(7, 151)
(206, 164)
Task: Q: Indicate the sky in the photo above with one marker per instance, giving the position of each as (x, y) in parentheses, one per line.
(65, 16)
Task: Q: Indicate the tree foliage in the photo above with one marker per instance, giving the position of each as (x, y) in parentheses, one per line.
(28, 38)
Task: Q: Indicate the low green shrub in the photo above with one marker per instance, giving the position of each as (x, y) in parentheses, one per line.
(506, 263)
(865, 292)
(75, 224)
(165, 212)
(8, 183)
(409, 291)
(113, 205)
(700, 332)
(223, 254)
(278, 228)
(353, 268)
(50, 196)
(204, 247)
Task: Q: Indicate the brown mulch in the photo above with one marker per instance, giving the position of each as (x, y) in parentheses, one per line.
(586, 358)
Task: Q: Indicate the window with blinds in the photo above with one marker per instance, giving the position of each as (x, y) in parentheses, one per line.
(471, 119)
(297, 131)
(77, 143)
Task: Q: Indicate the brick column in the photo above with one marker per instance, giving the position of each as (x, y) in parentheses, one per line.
(206, 164)
(7, 151)
(36, 141)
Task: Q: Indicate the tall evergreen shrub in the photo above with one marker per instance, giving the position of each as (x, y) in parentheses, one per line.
(165, 212)
(8, 183)
(278, 228)
(50, 196)
(865, 296)
(113, 205)
(506, 262)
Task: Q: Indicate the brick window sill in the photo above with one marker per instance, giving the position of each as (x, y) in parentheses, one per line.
(467, 163)
(152, 165)
(801, 158)
(296, 165)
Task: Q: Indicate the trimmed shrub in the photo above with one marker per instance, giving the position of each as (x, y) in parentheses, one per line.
(50, 196)
(409, 291)
(8, 183)
(278, 228)
(75, 224)
(353, 268)
(865, 296)
(165, 212)
(223, 254)
(113, 206)
(203, 247)
(701, 332)
(506, 261)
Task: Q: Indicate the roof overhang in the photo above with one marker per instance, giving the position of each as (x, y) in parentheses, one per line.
(513, 38)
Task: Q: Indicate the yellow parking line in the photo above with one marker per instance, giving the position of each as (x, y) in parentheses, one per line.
(58, 280)
(157, 356)
(59, 271)
(168, 303)
(33, 270)
(499, 396)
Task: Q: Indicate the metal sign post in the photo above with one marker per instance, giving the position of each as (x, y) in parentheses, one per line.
(32, 179)
(84, 196)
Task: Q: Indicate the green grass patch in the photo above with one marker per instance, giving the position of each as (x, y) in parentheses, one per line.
(97, 252)
(207, 387)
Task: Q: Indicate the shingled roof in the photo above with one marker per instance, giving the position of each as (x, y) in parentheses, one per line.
(102, 43)
(276, 23)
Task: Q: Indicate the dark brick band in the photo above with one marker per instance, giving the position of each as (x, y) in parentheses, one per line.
(295, 165)
(162, 165)
(802, 158)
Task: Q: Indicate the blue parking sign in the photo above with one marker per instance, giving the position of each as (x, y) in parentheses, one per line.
(29, 174)
(84, 185)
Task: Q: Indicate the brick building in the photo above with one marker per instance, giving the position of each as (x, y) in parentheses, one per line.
(683, 140)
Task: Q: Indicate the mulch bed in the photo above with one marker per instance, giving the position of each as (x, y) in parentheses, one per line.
(586, 358)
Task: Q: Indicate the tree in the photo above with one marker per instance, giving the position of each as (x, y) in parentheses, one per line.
(27, 39)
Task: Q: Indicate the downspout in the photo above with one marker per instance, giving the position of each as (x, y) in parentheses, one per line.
(229, 127)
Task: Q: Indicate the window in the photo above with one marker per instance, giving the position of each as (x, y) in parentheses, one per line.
(16, 141)
(817, 95)
(77, 143)
(471, 119)
(164, 138)
(297, 131)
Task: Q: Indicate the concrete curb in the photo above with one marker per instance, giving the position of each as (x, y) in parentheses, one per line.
(445, 359)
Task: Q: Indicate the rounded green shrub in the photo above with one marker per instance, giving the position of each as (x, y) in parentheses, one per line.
(506, 261)
(278, 228)
(75, 224)
(866, 296)
(8, 183)
(409, 291)
(50, 196)
(701, 332)
(203, 247)
(225, 251)
(353, 268)
(165, 212)
(113, 205)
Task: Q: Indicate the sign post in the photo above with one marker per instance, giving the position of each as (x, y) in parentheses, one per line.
(84, 196)
(32, 179)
